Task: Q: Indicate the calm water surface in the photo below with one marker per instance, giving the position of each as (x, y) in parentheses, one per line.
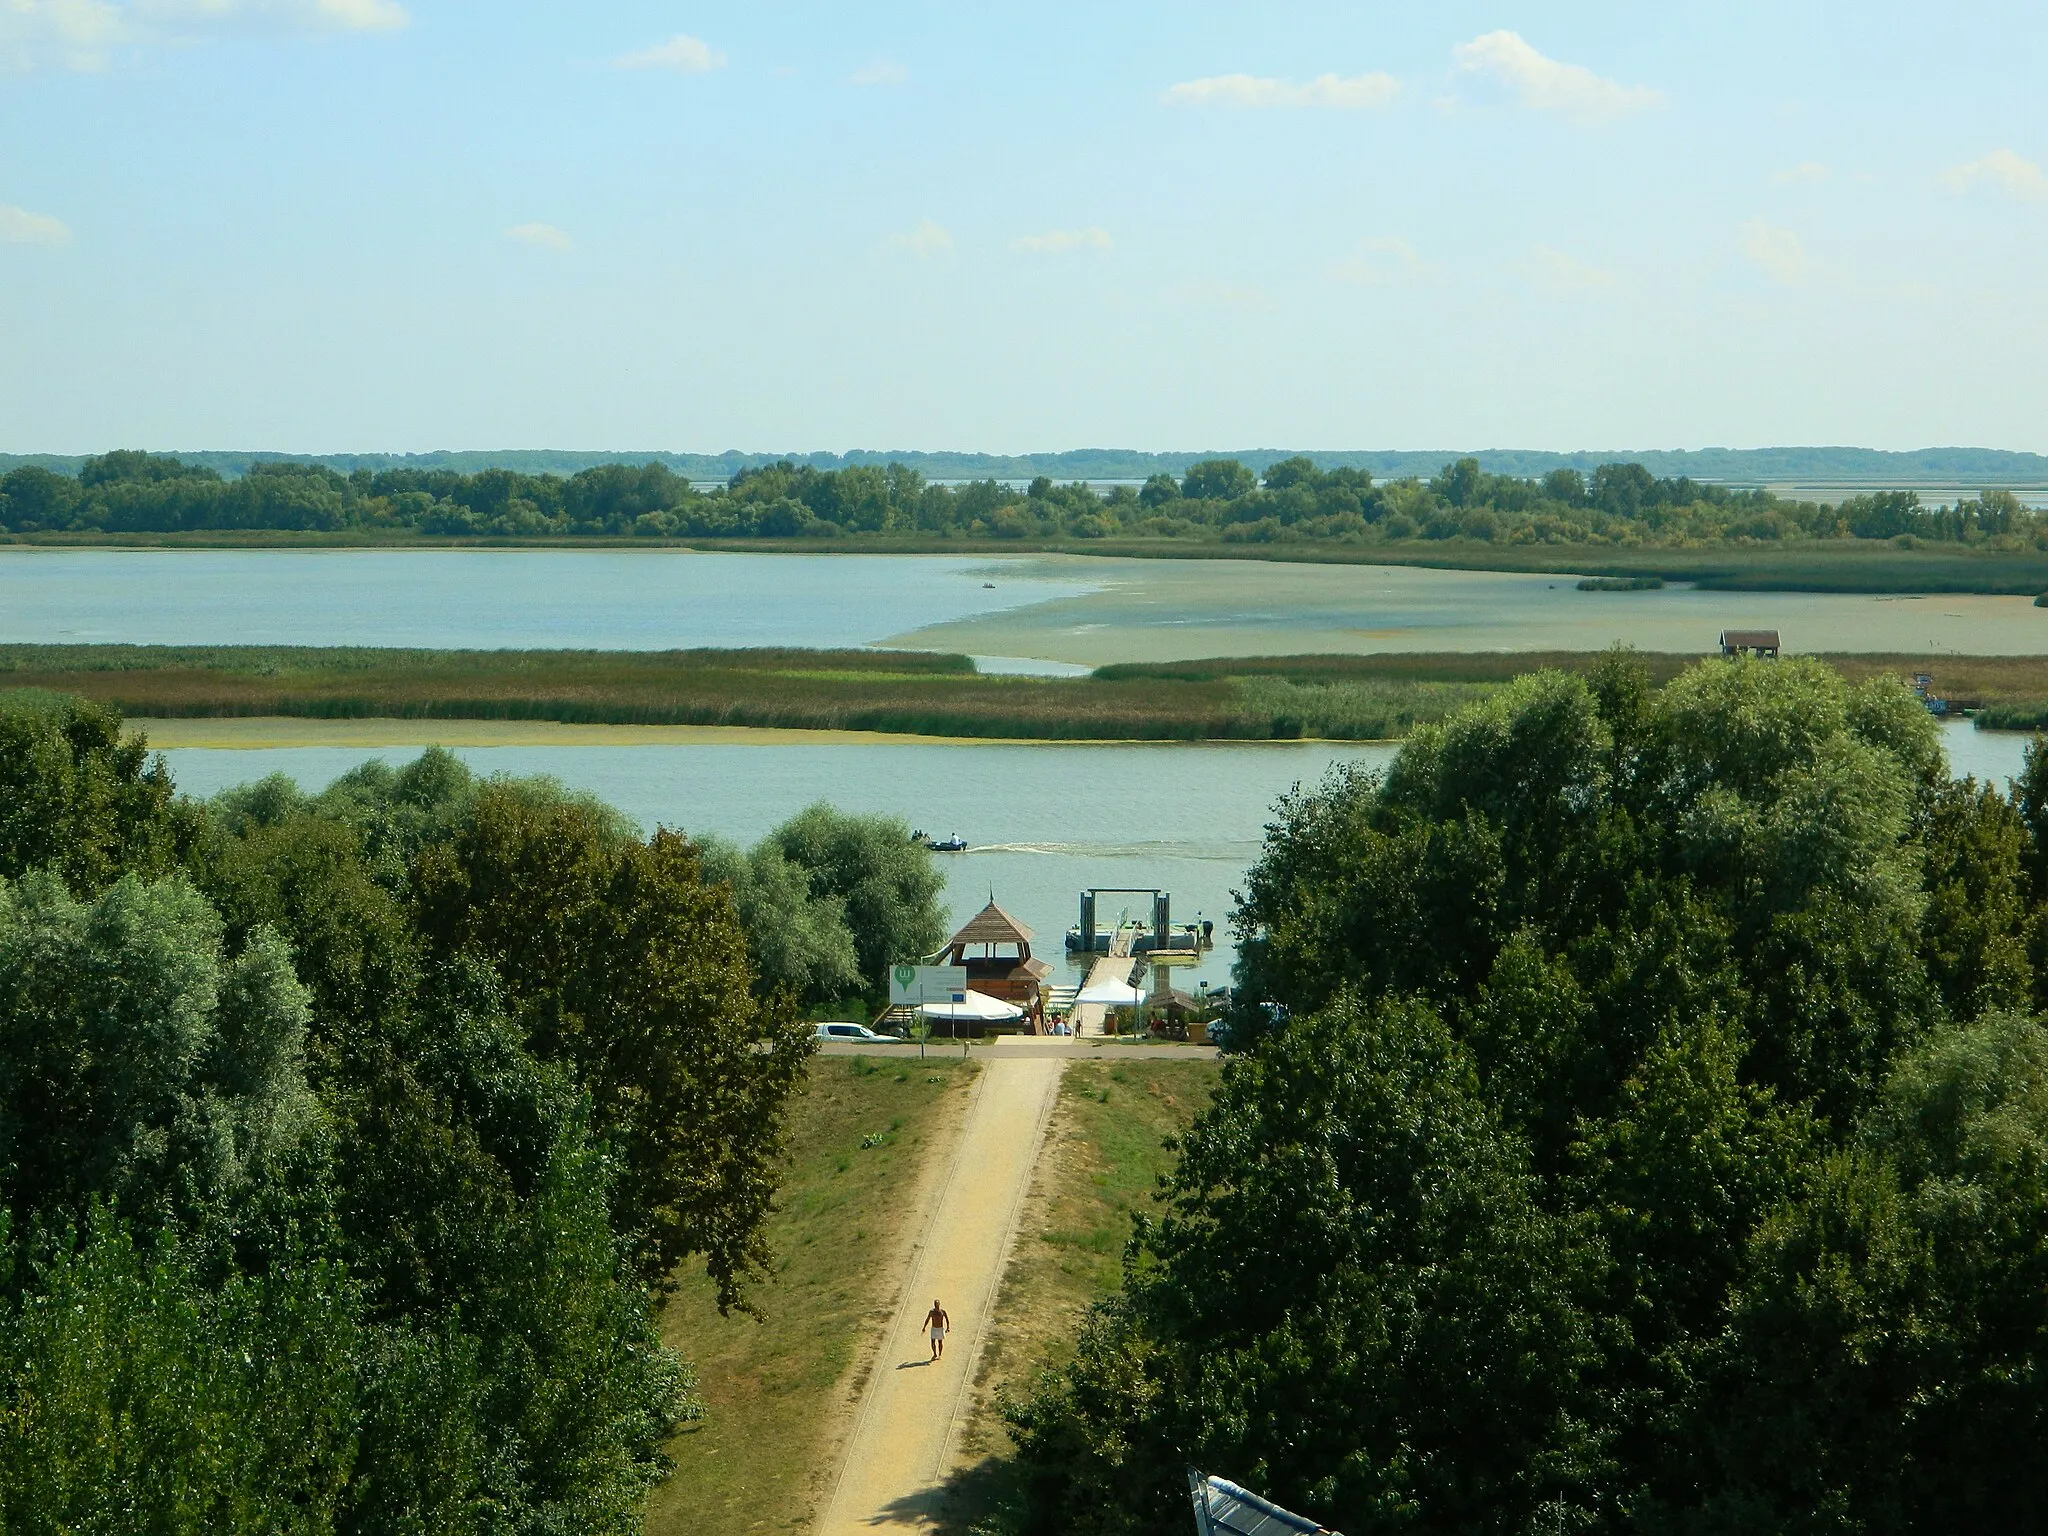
(1043, 821)
(631, 600)
(1070, 610)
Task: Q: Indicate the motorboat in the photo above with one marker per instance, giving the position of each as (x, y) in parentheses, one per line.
(954, 844)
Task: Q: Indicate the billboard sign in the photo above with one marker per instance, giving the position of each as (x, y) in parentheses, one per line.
(910, 985)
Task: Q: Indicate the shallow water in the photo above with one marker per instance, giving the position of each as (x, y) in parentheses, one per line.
(1171, 610)
(1043, 822)
(633, 600)
(1016, 613)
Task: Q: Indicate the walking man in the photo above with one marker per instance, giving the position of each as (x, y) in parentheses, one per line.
(936, 1322)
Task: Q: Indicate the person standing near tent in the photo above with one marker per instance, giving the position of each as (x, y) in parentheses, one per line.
(936, 1323)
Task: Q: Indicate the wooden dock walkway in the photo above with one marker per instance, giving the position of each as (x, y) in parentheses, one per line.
(1088, 1018)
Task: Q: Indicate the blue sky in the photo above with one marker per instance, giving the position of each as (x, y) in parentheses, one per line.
(328, 225)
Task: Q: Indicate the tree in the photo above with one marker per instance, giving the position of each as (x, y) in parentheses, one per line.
(1458, 483)
(1159, 490)
(888, 884)
(1886, 1362)
(1288, 473)
(1883, 515)
(142, 1397)
(1565, 485)
(796, 939)
(1217, 480)
(1702, 986)
(1351, 1251)
(620, 961)
(78, 797)
(138, 1062)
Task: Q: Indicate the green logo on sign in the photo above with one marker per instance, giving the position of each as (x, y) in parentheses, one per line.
(905, 975)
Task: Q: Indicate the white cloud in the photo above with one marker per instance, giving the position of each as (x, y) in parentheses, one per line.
(1213, 295)
(881, 72)
(1060, 242)
(87, 34)
(546, 236)
(2003, 170)
(1382, 259)
(684, 54)
(1546, 85)
(73, 34)
(20, 227)
(1568, 272)
(1778, 251)
(364, 15)
(1805, 173)
(924, 242)
(1355, 93)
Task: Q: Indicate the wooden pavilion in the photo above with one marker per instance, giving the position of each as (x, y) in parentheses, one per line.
(995, 951)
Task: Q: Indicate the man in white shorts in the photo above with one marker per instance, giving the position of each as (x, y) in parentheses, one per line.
(936, 1323)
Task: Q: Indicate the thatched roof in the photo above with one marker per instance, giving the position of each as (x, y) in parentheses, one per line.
(991, 925)
(1762, 638)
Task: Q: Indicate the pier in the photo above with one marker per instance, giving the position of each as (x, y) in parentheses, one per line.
(1088, 1018)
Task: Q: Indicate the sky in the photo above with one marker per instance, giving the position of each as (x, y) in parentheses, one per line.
(403, 225)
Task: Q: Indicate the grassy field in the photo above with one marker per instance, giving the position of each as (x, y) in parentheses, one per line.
(775, 1390)
(1105, 1151)
(1343, 697)
(1849, 565)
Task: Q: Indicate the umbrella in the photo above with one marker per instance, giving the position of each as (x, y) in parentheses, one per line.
(978, 1008)
(1111, 994)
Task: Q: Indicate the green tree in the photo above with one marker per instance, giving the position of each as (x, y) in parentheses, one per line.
(796, 938)
(78, 796)
(1159, 490)
(138, 1062)
(1217, 480)
(1887, 1367)
(1353, 1301)
(1700, 986)
(619, 960)
(889, 886)
(134, 1395)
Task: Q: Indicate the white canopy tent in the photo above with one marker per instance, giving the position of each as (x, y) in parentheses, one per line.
(977, 1008)
(1111, 994)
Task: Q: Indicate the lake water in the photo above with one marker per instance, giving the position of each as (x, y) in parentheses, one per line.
(1043, 822)
(634, 600)
(1037, 613)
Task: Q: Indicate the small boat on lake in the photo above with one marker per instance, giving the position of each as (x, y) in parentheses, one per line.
(954, 844)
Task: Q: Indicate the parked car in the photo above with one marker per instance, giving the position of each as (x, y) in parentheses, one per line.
(855, 1034)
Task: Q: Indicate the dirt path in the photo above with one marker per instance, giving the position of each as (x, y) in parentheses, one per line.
(904, 1431)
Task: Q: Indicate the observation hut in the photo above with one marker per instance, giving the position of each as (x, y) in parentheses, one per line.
(1750, 642)
(995, 951)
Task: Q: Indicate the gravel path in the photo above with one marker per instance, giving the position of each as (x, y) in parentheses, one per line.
(903, 1434)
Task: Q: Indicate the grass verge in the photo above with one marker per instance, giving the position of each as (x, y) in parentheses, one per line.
(775, 1390)
(1105, 1151)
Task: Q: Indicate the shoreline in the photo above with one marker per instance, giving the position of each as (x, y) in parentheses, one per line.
(265, 732)
(1860, 566)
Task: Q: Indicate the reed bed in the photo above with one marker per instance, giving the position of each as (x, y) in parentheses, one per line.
(1334, 697)
(909, 693)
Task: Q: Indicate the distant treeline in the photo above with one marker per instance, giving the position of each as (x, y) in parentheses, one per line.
(1731, 466)
(1294, 499)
